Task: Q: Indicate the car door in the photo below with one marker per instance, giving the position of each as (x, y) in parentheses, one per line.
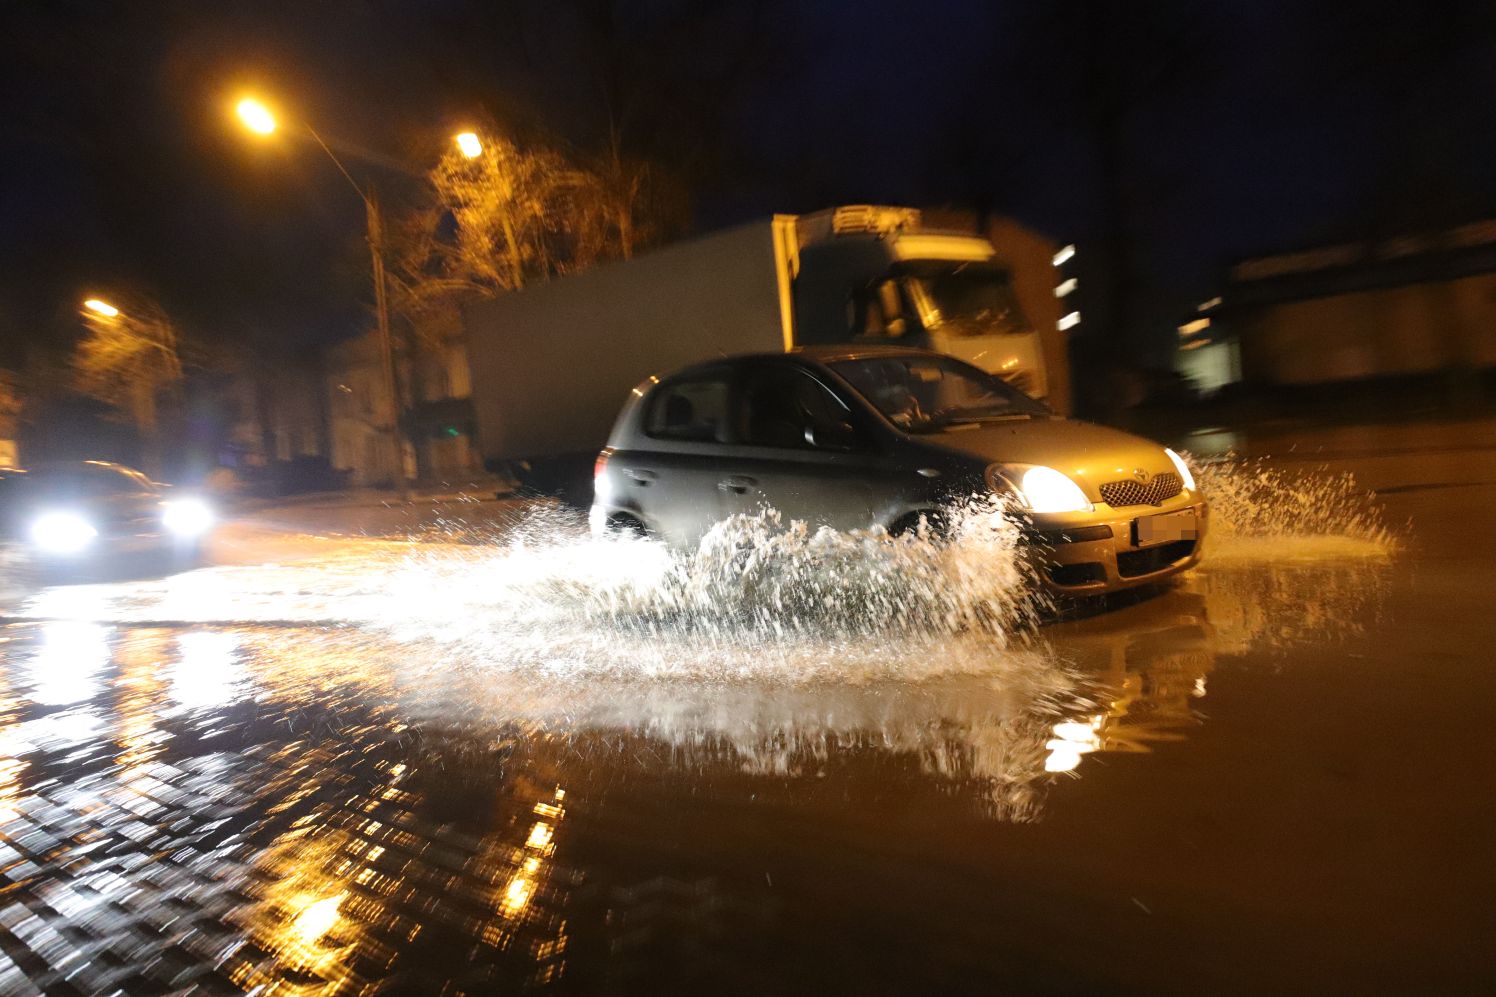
(798, 448)
(669, 477)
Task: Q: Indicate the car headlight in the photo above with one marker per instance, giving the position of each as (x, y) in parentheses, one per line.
(1182, 468)
(62, 532)
(188, 517)
(1041, 489)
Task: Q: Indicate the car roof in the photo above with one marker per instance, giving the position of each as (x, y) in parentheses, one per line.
(816, 354)
(54, 466)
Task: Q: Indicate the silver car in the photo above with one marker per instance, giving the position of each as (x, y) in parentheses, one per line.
(854, 437)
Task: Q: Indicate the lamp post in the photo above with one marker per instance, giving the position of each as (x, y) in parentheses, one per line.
(141, 340)
(259, 119)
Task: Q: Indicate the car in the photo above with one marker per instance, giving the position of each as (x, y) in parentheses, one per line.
(857, 437)
(81, 513)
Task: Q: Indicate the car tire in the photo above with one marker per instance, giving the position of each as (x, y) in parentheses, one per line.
(623, 525)
(936, 524)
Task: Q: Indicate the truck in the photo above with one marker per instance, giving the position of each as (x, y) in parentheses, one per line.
(552, 364)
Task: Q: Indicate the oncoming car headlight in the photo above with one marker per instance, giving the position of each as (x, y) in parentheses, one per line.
(1039, 489)
(187, 517)
(62, 532)
(1182, 468)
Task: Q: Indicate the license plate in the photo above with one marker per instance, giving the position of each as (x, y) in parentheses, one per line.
(1165, 528)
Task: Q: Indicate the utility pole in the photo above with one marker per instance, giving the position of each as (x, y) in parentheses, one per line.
(386, 345)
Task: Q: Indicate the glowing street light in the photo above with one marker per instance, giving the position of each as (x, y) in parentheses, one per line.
(468, 145)
(103, 308)
(256, 116)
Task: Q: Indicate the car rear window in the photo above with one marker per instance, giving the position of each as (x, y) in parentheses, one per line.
(693, 409)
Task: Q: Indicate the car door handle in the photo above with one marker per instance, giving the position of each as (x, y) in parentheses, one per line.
(639, 474)
(737, 484)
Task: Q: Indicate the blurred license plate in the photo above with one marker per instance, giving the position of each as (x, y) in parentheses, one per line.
(1167, 528)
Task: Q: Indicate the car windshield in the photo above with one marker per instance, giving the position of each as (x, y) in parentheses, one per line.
(974, 299)
(925, 394)
(83, 481)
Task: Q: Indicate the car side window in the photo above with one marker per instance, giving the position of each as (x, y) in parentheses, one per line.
(785, 407)
(693, 409)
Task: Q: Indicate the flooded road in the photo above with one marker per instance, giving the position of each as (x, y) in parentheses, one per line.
(438, 766)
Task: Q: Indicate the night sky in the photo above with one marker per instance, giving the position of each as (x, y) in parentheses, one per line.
(1246, 128)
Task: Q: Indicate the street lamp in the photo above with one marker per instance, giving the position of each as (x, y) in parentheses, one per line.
(469, 145)
(103, 308)
(257, 118)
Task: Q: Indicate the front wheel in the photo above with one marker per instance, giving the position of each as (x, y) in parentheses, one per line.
(927, 523)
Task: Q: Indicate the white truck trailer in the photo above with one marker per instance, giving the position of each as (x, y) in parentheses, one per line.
(552, 364)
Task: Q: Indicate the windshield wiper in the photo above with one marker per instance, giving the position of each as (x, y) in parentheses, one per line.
(947, 417)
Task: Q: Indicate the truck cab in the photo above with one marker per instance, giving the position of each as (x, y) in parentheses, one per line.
(873, 275)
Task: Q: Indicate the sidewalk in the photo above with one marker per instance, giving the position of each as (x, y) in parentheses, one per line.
(478, 489)
(478, 505)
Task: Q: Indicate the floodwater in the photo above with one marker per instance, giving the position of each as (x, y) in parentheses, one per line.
(831, 764)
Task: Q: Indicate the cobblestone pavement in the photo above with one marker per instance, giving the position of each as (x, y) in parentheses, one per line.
(180, 811)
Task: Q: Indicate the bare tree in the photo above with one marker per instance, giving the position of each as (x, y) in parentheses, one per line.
(503, 220)
(127, 360)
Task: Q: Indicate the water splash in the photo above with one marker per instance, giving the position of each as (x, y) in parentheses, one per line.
(1262, 513)
(757, 598)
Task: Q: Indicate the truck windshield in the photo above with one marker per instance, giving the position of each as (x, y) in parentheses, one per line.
(924, 394)
(970, 299)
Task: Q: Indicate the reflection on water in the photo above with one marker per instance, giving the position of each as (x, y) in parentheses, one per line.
(67, 667)
(206, 669)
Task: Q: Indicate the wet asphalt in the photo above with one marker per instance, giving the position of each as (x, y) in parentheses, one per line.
(1269, 776)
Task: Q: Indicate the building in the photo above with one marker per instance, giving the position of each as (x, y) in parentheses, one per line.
(435, 389)
(439, 418)
(276, 414)
(357, 408)
(1415, 304)
(1209, 356)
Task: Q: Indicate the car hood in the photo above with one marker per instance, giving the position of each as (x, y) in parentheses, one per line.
(1091, 455)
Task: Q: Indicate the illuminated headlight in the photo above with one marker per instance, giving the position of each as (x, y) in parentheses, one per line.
(1041, 489)
(62, 532)
(187, 517)
(1182, 468)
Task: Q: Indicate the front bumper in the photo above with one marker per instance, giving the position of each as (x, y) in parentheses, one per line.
(1094, 553)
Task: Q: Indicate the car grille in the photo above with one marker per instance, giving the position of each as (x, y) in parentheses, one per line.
(1162, 488)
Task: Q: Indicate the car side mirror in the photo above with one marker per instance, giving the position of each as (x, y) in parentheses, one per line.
(832, 436)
